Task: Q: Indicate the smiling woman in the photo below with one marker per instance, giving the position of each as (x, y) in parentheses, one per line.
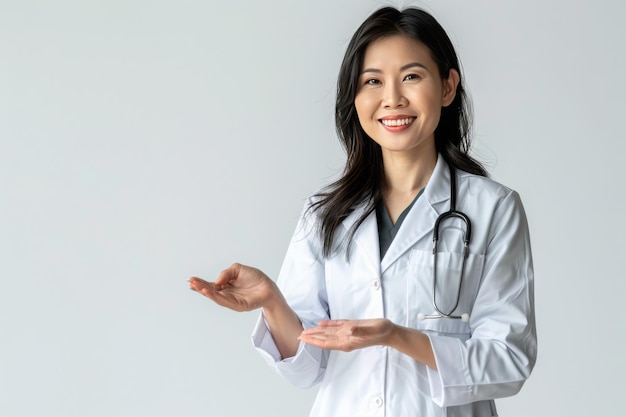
(363, 304)
(399, 102)
(400, 90)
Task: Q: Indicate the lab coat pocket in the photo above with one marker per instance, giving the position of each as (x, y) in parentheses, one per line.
(456, 287)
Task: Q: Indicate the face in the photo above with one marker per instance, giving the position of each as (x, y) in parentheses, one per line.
(400, 96)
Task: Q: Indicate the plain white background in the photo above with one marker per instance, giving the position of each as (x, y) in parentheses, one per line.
(142, 142)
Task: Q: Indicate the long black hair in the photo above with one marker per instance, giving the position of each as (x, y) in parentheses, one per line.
(362, 180)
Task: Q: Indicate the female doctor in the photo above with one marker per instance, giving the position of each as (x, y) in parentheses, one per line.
(366, 304)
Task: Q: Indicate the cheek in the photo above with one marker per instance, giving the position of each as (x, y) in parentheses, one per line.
(365, 117)
(365, 107)
(430, 106)
(427, 98)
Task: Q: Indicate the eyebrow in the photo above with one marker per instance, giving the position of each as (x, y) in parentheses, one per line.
(403, 68)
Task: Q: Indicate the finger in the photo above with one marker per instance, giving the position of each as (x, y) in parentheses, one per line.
(314, 331)
(198, 284)
(221, 298)
(321, 329)
(195, 280)
(195, 283)
(333, 323)
(318, 339)
(319, 336)
(208, 289)
(211, 293)
(331, 343)
(329, 332)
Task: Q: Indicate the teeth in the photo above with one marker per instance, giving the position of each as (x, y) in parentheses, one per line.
(397, 122)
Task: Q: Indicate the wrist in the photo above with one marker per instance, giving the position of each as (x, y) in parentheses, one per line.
(395, 335)
(274, 301)
(412, 343)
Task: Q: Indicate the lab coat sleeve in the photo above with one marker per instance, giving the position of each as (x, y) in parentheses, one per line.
(501, 351)
(302, 282)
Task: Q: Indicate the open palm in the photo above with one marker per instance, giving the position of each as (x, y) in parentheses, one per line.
(239, 288)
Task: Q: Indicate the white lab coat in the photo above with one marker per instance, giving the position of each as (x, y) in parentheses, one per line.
(488, 357)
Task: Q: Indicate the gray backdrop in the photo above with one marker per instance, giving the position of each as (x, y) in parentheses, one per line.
(142, 142)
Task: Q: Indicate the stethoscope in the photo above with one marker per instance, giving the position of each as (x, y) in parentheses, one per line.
(452, 213)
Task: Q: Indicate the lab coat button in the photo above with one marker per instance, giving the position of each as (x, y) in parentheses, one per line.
(376, 284)
(378, 401)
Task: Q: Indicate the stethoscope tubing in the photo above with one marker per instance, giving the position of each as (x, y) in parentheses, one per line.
(452, 213)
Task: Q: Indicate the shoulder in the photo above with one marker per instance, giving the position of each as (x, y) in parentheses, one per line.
(309, 220)
(311, 209)
(484, 187)
(488, 197)
(490, 201)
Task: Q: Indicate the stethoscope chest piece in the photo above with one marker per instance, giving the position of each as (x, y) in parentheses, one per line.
(464, 317)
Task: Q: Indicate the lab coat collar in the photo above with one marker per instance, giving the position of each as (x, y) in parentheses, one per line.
(419, 222)
(417, 225)
(438, 188)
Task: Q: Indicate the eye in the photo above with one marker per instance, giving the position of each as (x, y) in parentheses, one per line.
(411, 77)
(371, 81)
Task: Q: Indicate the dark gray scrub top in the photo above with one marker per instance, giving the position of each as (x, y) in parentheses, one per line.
(386, 229)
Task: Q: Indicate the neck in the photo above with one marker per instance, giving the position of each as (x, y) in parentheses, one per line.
(405, 174)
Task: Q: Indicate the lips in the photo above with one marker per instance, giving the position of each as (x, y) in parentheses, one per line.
(397, 122)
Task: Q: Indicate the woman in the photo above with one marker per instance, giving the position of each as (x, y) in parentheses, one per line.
(363, 304)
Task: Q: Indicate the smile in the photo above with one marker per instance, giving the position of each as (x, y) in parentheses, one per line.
(397, 122)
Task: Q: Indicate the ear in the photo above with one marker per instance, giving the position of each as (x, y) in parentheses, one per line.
(449, 87)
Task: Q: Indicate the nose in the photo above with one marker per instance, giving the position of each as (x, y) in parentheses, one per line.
(393, 96)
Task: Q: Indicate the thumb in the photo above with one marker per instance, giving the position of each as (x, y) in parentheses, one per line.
(229, 274)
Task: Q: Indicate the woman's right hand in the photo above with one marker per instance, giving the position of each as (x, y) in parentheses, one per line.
(239, 287)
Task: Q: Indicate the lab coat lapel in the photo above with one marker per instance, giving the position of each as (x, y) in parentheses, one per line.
(366, 237)
(419, 222)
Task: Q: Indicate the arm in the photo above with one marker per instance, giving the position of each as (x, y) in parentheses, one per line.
(296, 300)
(500, 354)
(284, 325)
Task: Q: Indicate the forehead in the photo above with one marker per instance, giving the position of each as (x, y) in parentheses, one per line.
(397, 50)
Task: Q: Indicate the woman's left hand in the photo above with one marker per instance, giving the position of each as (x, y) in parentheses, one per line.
(348, 335)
